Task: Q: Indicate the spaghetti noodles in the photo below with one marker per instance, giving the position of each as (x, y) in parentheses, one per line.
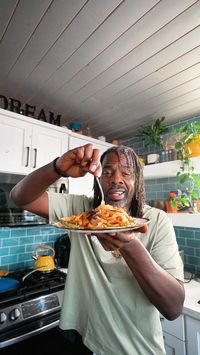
(102, 217)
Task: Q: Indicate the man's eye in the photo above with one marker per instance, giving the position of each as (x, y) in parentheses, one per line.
(127, 172)
(106, 173)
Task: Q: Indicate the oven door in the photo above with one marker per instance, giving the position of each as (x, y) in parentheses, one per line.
(28, 329)
(43, 338)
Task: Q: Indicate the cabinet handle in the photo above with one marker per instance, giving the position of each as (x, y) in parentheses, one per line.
(162, 319)
(35, 157)
(27, 156)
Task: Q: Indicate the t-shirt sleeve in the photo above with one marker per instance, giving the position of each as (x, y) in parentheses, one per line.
(162, 243)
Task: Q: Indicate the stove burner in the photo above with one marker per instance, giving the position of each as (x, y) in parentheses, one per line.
(36, 284)
(49, 276)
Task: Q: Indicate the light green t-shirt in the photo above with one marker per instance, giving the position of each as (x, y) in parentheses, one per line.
(102, 298)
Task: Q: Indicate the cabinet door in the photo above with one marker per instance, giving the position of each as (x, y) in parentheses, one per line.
(173, 345)
(192, 336)
(84, 185)
(175, 327)
(15, 145)
(47, 144)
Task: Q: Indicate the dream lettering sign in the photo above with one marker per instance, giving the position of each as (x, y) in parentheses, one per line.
(28, 110)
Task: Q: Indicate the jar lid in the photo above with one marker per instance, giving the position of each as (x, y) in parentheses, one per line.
(75, 125)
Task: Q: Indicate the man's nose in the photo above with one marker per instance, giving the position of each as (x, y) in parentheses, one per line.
(117, 177)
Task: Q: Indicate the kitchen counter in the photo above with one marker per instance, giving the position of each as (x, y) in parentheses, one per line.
(192, 296)
(187, 220)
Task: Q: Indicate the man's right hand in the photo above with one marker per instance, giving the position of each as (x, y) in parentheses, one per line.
(79, 161)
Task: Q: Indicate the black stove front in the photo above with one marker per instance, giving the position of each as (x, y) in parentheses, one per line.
(32, 307)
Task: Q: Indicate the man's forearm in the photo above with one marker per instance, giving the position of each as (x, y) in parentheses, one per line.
(162, 289)
(34, 185)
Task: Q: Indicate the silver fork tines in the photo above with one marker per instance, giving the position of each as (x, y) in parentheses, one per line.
(101, 190)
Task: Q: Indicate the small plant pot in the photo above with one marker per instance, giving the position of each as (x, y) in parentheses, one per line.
(153, 158)
(194, 146)
(198, 205)
(170, 209)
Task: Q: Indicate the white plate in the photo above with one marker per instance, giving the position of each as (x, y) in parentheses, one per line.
(140, 222)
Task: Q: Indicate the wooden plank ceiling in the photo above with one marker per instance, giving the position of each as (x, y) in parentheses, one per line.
(111, 64)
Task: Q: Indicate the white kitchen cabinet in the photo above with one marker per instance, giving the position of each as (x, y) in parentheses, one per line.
(47, 144)
(84, 185)
(173, 346)
(192, 335)
(174, 335)
(15, 143)
(27, 144)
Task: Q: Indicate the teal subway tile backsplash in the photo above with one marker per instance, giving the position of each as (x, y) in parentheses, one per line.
(17, 250)
(187, 233)
(192, 260)
(42, 238)
(156, 187)
(4, 251)
(197, 235)
(198, 252)
(18, 244)
(189, 242)
(193, 243)
(181, 242)
(18, 232)
(9, 259)
(10, 242)
(25, 257)
(26, 240)
(150, 196)
(5, 233)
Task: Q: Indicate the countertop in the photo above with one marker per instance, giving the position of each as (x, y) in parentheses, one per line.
(192, 296)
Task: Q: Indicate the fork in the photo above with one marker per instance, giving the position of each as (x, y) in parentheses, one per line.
(101, 190)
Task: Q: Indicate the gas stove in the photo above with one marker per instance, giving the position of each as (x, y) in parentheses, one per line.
(31, 307)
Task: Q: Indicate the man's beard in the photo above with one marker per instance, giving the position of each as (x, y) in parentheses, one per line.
(120, 203)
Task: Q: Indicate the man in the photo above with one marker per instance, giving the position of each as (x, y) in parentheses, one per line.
(113, 302)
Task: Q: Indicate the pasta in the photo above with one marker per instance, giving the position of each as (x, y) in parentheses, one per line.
(102, 217)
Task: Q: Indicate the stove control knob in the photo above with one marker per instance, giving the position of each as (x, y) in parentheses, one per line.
(14, 314)
(3, 317)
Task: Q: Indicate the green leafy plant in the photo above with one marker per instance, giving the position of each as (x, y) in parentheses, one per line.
(181, 200)
(152, 134)
(186, 173)
(186, 133)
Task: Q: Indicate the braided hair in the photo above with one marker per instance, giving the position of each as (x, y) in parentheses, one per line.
(138, 199)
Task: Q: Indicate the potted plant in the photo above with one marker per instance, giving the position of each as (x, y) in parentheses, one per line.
(152, 135)
(180, 201)
(187, 147)
(189, 143)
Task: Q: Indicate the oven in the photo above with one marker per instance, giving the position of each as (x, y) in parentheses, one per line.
(29, 305)
(29, 315)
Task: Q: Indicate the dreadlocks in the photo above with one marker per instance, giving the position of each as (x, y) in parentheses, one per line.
(138, 199)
